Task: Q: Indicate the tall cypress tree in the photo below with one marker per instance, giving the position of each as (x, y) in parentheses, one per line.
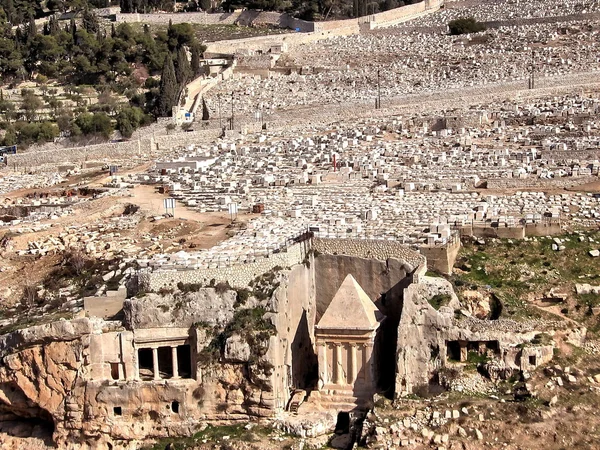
(90, 21)
(195, 61)
(53, 26)
(31, 29)
(73, 28)
(9, 9)
(169, 90)
(183, 70)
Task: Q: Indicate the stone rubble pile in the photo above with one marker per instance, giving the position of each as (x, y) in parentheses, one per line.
(9, 183)
(101, 241)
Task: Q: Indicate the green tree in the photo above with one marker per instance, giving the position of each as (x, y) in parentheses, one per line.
(182, 71)
(30, 104)
(90, 21)
(465, 25)
(53, 27)
(7, 109)
(11, 14)
(98, 124)
(179, 35)
(168, 91)
(10, 137)
(195, 66)
(128, 120)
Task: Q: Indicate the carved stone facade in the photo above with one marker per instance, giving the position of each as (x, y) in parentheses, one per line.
(345, 340)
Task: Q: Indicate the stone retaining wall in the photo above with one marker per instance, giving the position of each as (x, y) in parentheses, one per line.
(244, 18)
(560, 155)
(526, 21)
(283, 20)
(369, 248)
(325, 30)
(535, 183)
(77, 155)
(110, 152)
(238, 276)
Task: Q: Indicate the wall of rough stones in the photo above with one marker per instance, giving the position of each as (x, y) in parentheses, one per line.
(238, 276)
(557, 155)
(282, 20)
(441, 257)
(369, 248)
(109, 152)
(246, 18)
(324, 30)
(522, 183)
(76, 155)
(516, 22)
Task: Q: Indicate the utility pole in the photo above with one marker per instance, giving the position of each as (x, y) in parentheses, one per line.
(220, 121)
(378, 89)
(532, 75)
(378, 101)
(232, 111)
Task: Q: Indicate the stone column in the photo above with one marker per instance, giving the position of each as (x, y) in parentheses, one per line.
(463, 351)
(322, 355)
(339, 369)
(481, 348)
(155, 363)
(367, 363)
(353, 361)
(175, 363)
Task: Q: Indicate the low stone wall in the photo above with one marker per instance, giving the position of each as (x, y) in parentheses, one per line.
(238, 276)
(369, 248)
(244, 18)
(517, 232)
(499, 232)
(592, 153)
(110, 152)
(543, 229)
(535, 183)
(282, 20)
(441, 258)
(76, 155)
(316, 31)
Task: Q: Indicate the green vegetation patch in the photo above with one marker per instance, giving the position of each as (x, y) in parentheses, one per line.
(465, 25)
(518, 271)
(250, 324)
(439, 300)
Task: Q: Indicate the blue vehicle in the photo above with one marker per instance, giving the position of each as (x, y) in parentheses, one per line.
(10, 150)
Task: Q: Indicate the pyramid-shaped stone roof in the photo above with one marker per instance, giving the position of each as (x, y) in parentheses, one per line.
(351, 308)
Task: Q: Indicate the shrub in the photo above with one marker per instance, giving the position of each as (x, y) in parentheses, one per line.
(439, 300)
(465, 25)
(242, 297)
(222, 287)
(189, 287)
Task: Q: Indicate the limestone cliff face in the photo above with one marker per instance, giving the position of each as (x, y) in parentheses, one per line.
(180, 309)
(421, 334)
(424, 332)
(42, 376)
(39, 379)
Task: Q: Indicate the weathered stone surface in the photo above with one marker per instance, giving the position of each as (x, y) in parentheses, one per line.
(180, 310)
(237, 349)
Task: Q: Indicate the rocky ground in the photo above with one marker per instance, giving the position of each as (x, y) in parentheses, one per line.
(91, 249)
